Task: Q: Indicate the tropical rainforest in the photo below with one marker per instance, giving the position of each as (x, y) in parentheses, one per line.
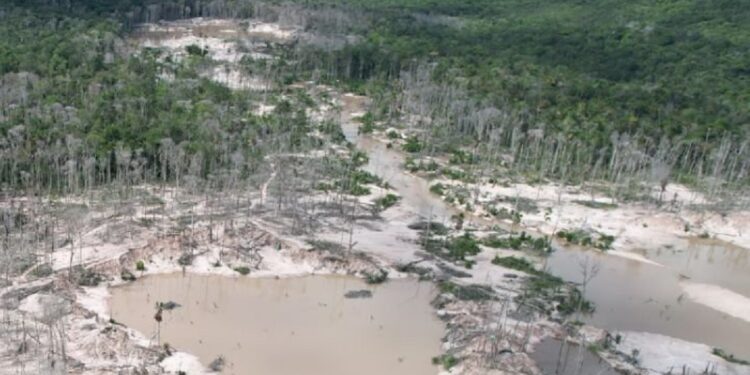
(672, 77)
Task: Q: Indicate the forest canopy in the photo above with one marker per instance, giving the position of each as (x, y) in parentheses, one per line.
(674, 72)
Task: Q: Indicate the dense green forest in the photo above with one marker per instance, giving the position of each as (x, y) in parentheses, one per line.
(658, 73)
(674, 68)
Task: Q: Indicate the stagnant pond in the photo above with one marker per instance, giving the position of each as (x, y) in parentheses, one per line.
(290, 326)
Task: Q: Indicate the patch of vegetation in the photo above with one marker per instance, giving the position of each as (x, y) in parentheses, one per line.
(140, 266)
(389, 200)
(368, 123)
(392, 134)
(324, 245)
(437, 189)
(515, 263)
(42, 270)
(194, 50)
(412, 145)
(358, 159)
(596, 204)
(520, 204)
(458, 248)
(456, 174)
(333, 130)
(126, 275)
(377, 277)
(413, 165)
(590, 239)
(542, 288)
(185, 259)
(242, 270)
(473, 292)
(86, 276)
(729, 357)
(545, 287)
(505, 214)
(353, 184)
(463, 157)
(518, 242)
(447, 361)
(433, 227)
(574, 302)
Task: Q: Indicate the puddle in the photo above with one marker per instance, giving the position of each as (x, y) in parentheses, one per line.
(290, 326)
(555, 359)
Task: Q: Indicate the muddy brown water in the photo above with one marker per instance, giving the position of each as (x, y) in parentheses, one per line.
(635, 296)
(290, 326)
(707, 261)
(629, 295)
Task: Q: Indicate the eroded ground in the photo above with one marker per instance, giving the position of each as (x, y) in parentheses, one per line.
(57, 321)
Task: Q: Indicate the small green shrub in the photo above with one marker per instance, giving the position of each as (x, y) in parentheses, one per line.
(412, 145)
(437, 189)
(242, 270)
(42, 270)
(518, 242)
(575, 302)
(140, 266)
(445, 360)
(194, 50)
(579, 237)
(126, 275)
(359, 158)
(515, 263)
(389, 200)
(596, 204)
(729, 357)
(378, 277)
(462, 157)
(455, 174)
(358, 190)
(429, 226)
(368, 123)
(459, 247)
(185, 259)
(367, 128)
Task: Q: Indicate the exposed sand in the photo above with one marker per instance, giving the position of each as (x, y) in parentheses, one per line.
(719, 298)
(634, 225)
(661, 354)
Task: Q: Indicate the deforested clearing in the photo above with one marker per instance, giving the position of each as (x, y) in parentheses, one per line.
(407, 187)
